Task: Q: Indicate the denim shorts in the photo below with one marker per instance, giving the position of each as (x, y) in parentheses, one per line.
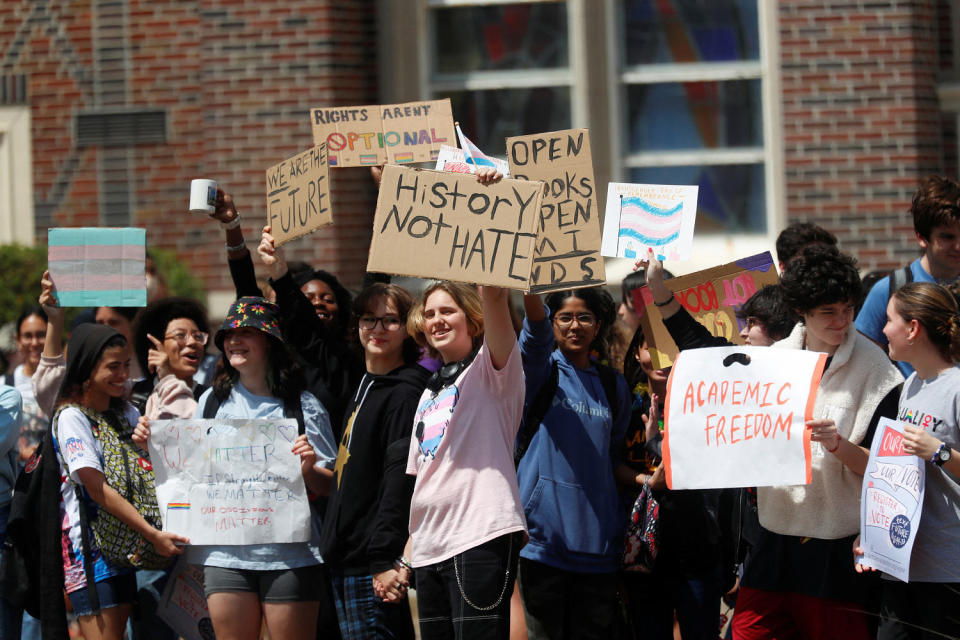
(113, 592)
(302, 584)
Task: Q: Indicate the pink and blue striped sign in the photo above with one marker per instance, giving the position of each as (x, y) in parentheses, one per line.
(649, 216)
(93, 266)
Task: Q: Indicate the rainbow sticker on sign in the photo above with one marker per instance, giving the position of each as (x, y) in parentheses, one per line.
(649, 216)
(402, 158)
(177, 506)
(94, 267)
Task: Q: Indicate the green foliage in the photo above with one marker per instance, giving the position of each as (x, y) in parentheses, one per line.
(180, 280)
(20, 271)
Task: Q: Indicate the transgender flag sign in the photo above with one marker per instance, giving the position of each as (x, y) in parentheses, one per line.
(642, 216)
(98, 267)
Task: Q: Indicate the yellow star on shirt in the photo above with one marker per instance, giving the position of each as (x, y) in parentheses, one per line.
(343, 453)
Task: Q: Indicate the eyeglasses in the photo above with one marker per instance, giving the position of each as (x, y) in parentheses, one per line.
(369, 323)
(181, 337)
(566, 319)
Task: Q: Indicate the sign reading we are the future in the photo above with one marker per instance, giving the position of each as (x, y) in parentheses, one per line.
(230, 481)
(298, 195)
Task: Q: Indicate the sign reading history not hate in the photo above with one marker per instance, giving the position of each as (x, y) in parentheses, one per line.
(735, 417)
(435, 224)
(298, 195)
(369, 135)
(567, 254)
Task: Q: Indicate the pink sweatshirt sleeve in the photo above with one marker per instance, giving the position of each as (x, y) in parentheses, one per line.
(46, 381)
(171, 399)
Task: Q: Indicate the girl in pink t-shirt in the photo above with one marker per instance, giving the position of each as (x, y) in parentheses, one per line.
(466, 519)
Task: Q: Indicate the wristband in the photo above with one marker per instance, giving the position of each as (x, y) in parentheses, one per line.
(662, 304)
(936, 454)
(405, 562)
(235, 247)
(233, 224)
(839, 439)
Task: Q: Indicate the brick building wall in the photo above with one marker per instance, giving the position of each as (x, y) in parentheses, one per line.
(861, 119)
(235, 78)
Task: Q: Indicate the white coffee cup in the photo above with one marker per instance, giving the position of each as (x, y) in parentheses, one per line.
(203, 196)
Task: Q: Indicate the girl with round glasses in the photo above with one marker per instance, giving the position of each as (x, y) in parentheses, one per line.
(170, 338)
(568, 472)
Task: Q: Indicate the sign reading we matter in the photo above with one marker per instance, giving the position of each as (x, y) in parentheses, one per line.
(230, 481)
(735, 417)
(370, 135)
(434, 224)
(568, 239)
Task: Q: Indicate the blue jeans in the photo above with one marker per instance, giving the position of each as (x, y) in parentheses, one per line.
(364, 616)
(468, 596)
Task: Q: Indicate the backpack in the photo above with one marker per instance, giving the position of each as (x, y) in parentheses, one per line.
(31, 570)
(898, 278)
(130, 474)
(540, 404)
(290, 410)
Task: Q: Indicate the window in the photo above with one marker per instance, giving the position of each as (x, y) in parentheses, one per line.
(692, 106)
(16, 176)
(673, 91)
(504, 66)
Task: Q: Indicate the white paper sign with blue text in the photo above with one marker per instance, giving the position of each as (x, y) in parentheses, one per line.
(230, 481)
(891, 502)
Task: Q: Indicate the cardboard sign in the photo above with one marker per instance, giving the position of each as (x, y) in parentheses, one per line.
(98, 267)
(431, 224)
(298, 195)
(230, 481)
(388, 133)
(454, 160)
(568, 239)
(712, 296)
(655, 216)
(734, 417)
(891, 502)
(183, 606)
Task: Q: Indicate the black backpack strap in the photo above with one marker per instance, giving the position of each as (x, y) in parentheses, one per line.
(293, 409)
(87, 550)
(199, 390)
(140, 392)
(898, 278)
(536, 410)
(210, 409)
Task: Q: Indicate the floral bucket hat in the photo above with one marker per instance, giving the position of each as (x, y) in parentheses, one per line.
(258, 313)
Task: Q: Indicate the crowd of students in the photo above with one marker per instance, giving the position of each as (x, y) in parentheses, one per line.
(491, 463)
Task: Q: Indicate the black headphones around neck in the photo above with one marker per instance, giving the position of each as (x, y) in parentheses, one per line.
(449, 372)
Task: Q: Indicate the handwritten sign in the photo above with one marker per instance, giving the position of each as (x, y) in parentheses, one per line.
(656, 216)
(453, 159)
(298, 195)
(568, 239)
(734, 417)
(183, 605)
(387, 133)
(712, 296)
(891, 502)
(447, 225)
(93, 267)
(230, 481)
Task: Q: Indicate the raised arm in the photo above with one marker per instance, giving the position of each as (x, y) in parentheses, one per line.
(238, 256)
(498, 327)
(52, 368)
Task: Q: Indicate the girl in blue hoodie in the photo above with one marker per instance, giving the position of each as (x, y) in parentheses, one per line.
(568, 474)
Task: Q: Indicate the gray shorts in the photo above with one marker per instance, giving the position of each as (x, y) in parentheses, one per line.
(302, 584)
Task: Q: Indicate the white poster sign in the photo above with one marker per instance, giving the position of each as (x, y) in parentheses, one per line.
(734, 417)
(656, 216)
(230, 481)
(452, 159)
(891, 502)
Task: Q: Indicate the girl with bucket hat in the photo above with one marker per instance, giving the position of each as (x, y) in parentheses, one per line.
(273, 582)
